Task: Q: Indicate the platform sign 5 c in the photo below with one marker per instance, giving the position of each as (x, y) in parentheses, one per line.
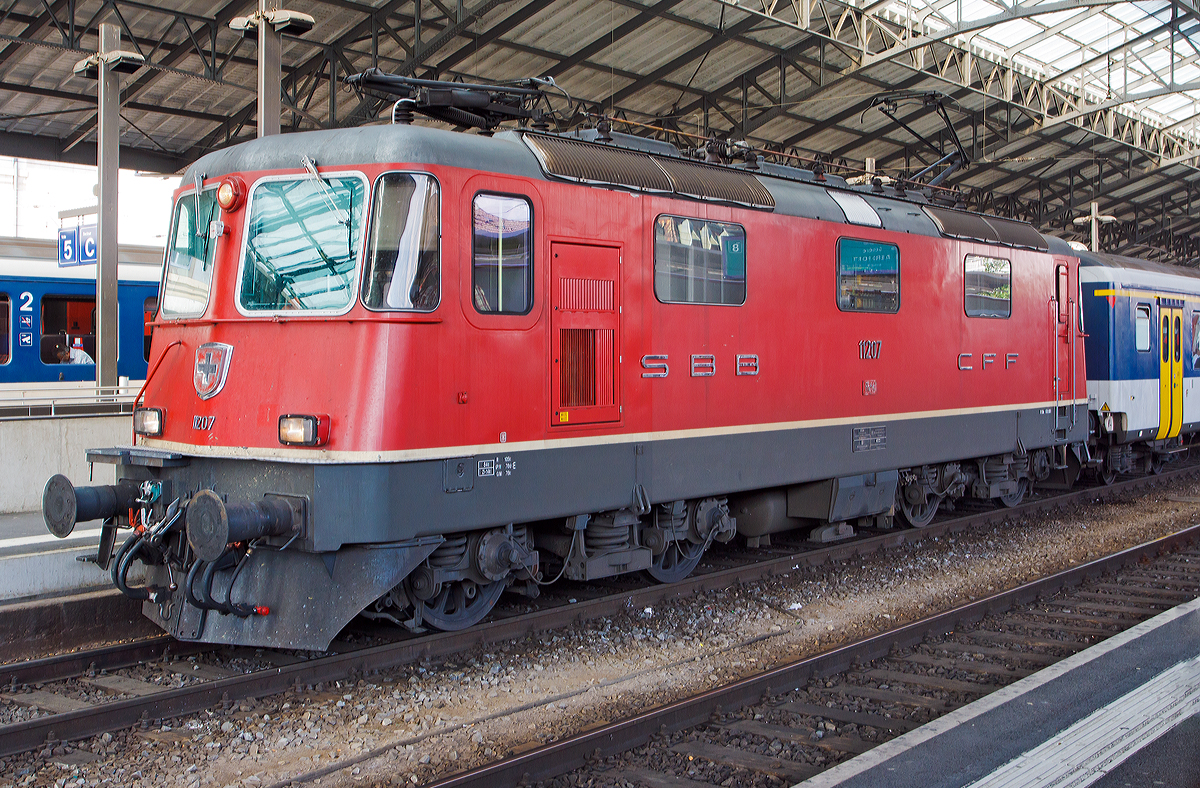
(77, 245)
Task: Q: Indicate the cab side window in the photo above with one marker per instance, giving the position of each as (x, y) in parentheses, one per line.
(502, 254)
(1141, 328)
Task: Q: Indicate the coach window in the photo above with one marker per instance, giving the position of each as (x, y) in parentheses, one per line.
(1141, 328)
(987, 282)
(68, 322)
(190, 253)
(502, 254)
(302, 244)
(5, 333)
(403, 266)
(699, 262)
(868, 276)
(149, 309)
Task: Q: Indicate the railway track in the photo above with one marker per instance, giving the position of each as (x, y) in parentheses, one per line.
(845, 702)
(102, 690)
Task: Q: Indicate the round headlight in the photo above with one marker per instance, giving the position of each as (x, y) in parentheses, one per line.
(231, 193)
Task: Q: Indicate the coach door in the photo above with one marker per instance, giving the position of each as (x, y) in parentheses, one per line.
(585, 333)
(1170, 368)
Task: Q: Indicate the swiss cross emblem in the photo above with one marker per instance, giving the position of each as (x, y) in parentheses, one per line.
(212, 365)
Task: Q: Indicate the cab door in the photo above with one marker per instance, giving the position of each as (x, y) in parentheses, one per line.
(1170, 368)
(585, 285)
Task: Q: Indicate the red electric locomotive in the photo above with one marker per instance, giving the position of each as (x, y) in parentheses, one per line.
(400, 370)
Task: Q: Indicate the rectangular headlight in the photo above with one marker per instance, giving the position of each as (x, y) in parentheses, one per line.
(148, 421)
(298, 430)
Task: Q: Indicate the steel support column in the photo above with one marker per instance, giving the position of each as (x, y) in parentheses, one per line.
(108, 127)
(270, 64)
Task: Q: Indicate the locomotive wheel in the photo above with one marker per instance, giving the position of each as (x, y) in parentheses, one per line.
(675, 562)
(919, 515)
(1105, 476)
(461, 604)
(1014, 499)
(1156, 464)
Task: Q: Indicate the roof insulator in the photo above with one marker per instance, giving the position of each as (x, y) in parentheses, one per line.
(604, 127)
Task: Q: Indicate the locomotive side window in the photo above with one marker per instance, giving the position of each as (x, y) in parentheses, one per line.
(190, 254)
(5, 333)
(988, 286)
(1141, 328)
(699, 262)
(502, 254)
(868, 276)
(403, 269)
(302, 244)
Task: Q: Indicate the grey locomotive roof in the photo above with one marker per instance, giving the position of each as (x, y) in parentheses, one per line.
(1102, 260)
(795, 192)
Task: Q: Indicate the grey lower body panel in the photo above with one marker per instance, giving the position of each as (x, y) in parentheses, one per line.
(374, 503)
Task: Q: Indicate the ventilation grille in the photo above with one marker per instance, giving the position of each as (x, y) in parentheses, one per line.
(592, 295)
(586, 377)
(597, 163)
(716, 183)
(989, 229)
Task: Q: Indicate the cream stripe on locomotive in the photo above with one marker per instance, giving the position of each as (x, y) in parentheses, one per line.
(447, 452)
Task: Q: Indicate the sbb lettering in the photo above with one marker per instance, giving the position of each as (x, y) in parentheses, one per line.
(701, 365)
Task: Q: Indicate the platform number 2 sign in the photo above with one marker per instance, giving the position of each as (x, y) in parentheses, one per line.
(25, 338)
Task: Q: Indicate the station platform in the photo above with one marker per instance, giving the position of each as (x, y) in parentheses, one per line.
(34, 563)
(1125, 712)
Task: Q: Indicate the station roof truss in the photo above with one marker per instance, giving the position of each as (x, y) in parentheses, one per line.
(1056, 102)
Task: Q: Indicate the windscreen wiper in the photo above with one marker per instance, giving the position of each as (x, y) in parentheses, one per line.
(326, 192)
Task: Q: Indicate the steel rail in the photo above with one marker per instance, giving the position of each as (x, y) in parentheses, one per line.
(83, 723)
(578, 751)
(111, 657)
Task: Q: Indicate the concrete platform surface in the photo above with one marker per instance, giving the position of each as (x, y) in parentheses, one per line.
(1105, 713)
(36, 564)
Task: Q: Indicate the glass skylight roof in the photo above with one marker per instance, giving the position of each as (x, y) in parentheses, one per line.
(1106, 51)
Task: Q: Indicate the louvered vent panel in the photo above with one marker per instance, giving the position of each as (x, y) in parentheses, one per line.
(593, 295)
(606, 393)
(578, 367)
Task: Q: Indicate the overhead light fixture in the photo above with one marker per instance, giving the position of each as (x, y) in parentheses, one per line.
(122, 61)
(292, 23)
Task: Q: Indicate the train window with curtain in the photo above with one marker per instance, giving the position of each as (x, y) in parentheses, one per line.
(1141, 328)
(868, 276)
(502, 254)
(5, 331)
(403, 269)
(190, 254)
(699, 262)
(302, 244)
(987, 282)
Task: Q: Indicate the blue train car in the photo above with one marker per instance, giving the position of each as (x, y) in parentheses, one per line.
(1143, 325)
(44, 307)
